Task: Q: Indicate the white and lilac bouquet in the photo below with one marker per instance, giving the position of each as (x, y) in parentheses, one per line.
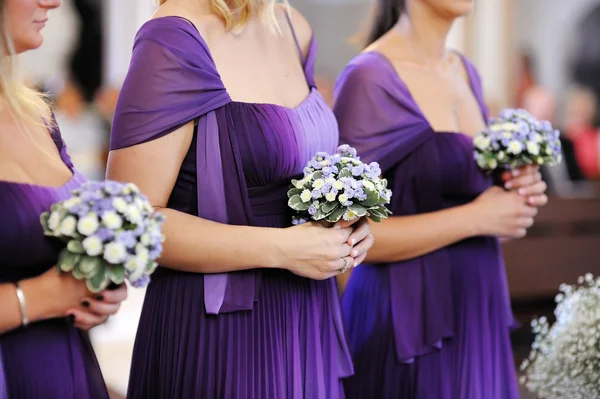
(111, 234)
(339, 186)
(517, 139)
(565, 359)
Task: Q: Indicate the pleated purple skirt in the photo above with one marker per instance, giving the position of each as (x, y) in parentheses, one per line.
(475, 363)
(286, 347)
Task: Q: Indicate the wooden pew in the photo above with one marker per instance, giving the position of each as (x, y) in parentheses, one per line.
(563, 244)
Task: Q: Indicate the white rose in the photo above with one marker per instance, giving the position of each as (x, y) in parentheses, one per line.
(305, 196)
(538, 138)
(512, 127)
(515, 147)
(318, 183)
(145, 239)
(533, 148)
(142, 253)
(88, 224)
(343, 198)
(134, 263)
(481, 142)
(92, 246)
(112, 220)
(492, 164)
(115, 253)
(67, 226)
(71, 203)
(53, 221)
(338, 185)
(138, 272)
(132, 214)
(330, 197)
(119, 204)
(368, 185)
(500, 155)
(330, 180)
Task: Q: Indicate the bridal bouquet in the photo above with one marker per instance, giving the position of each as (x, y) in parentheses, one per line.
(516, 139)
(111, 234)
(565, 359)
(339, 186)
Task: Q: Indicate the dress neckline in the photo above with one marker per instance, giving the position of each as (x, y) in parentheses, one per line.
(397, 77)
(304, 63)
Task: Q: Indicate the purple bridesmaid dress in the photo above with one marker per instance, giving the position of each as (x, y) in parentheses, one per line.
(49, 359)
(252, 334)
(436, 326)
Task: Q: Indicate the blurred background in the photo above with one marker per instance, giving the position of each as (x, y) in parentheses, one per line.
(542, 55)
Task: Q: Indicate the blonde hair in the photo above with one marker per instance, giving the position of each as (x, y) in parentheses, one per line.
(28, 106)
(236, 14)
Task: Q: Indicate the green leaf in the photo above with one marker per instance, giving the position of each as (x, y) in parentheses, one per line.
(360, 211)
(317, 175)
(378, 211)
(44, 220)
(319, 215)
(296, 204)
(346, 172)
(375, 218)
(67, 260)
(372, 199)
(99, 281)
(90, 266)
(294, 191)
(77, 273)
(336, 215)
(116, 274)
(329, 207)
(76, 247)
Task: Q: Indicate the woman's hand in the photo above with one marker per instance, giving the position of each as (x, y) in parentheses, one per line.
(96, 310)
(361, 239)
(316, 251)
(501, 213)
(527, 182)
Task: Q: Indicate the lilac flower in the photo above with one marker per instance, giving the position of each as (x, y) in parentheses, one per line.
(155, 251)
(358, 170)
(359, 194)
(349, 192)
(141, 282)
(349, 182)
(346, 150)
(105, 234)
(298, 221)
(316, 193)
(316, 165)
(374, 171)
(312, 210)
(113, 188)
(126, 238)
(326, 188)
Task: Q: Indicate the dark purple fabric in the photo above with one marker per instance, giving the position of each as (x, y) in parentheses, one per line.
(446, 313)
(48, 359)
(254, 334)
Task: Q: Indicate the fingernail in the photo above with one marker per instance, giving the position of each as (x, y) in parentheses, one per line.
(353, 241)
(337, 226)
(355, 253)
(85, 304)
(355, 263)
(515, 172)
(71, 319)
(99, 297)
(508, 185)
(521, 191)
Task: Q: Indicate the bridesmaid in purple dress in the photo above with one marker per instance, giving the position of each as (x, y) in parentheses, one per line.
(43, 353)
(429, 315)
(218, 112)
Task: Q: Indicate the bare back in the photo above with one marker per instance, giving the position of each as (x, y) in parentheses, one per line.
(443, 92)
(257, 65)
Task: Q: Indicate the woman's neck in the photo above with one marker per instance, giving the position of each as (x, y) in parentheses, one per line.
(426, 30)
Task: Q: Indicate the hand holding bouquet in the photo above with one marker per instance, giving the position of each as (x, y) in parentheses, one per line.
(565, 359)
(111, 234)
(517, 139)
(339, 186)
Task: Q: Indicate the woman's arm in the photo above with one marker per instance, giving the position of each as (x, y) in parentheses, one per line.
(495, 212)
(198, 245)
(404, 237)
(46, 296)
